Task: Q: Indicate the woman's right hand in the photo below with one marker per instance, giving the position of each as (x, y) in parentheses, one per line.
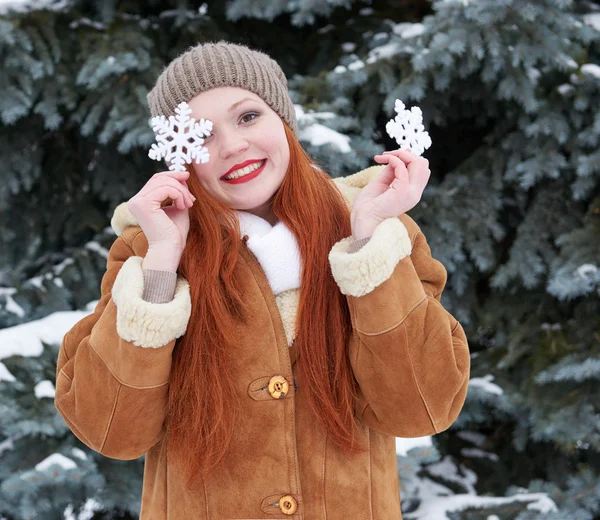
(164, 226)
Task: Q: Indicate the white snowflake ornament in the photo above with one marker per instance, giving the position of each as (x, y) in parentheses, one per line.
(180, 138)
(408, 130)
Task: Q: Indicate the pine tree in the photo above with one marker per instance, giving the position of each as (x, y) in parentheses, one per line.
(509, 90)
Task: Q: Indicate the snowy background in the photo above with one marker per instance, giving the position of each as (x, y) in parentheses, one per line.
(510, 93)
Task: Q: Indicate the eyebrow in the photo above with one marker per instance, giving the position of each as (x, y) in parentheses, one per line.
(239, 103)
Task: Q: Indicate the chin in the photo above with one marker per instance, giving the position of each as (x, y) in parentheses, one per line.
(246, 206)
(256, 202)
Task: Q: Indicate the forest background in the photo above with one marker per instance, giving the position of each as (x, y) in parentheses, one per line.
(510, 93)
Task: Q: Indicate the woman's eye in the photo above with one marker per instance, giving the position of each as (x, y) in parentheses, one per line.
(250, 114)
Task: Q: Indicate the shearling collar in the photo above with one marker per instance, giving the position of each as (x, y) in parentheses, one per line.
(275, 248)
(350, 186)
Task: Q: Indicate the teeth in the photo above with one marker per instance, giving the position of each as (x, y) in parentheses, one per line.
(244, 171)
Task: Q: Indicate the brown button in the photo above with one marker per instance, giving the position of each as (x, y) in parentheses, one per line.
(288, 505)
(278, 387)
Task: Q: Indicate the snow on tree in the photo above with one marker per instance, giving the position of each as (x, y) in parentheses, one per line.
(509, 92)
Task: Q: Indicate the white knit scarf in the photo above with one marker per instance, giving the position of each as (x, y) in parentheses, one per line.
(276, 249)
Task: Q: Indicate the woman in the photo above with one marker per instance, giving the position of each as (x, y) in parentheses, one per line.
(264, 339)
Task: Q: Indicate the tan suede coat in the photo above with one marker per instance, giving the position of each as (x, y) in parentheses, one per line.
(409, 356)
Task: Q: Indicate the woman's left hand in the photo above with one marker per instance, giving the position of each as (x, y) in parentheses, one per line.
(397, 189)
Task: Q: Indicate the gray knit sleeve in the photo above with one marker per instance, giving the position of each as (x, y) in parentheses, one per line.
(159, 286)
(355, 245)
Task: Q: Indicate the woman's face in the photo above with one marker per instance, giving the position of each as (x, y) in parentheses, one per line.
(246, 133)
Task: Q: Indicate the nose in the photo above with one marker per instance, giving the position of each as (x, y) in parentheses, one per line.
(232, 144)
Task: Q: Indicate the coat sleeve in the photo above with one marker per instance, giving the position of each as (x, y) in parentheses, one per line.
(409, 355)
(113, 365)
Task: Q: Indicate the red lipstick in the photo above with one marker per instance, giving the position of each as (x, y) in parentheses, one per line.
(247, 177)
(241, 165)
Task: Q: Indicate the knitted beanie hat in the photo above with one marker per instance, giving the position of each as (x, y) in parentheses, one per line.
(209, 65)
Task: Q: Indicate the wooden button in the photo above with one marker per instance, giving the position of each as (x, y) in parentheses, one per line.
(278, 387)
(288, 505)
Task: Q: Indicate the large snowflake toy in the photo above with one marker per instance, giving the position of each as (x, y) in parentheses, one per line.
(408, 130)
(180, 138)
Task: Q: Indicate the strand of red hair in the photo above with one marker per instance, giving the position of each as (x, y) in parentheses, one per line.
(202, 401)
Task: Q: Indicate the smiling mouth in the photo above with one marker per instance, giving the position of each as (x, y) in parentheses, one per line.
(243, 172)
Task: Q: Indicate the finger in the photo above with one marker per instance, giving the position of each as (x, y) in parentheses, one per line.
(174, 211)
(419, 173)
(162, 195)
(176, 193)
(398, 166)
(386, 176)
(406, 155)
(189, 196)
(384, 159)
(159, 180)
(184, 182)
(179, 202)
(179, 196)
(399, 150)
(400, 171)
(160, 177)
(406, 152)
(397, 170)
(177, 176)
(174, 173)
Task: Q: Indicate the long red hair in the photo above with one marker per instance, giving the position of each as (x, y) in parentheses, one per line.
(202, 403)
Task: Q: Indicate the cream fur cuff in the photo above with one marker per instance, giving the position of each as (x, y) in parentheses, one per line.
(359, 273)
(148, 324)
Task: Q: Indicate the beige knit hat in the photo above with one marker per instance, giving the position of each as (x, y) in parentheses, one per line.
(209, 65)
